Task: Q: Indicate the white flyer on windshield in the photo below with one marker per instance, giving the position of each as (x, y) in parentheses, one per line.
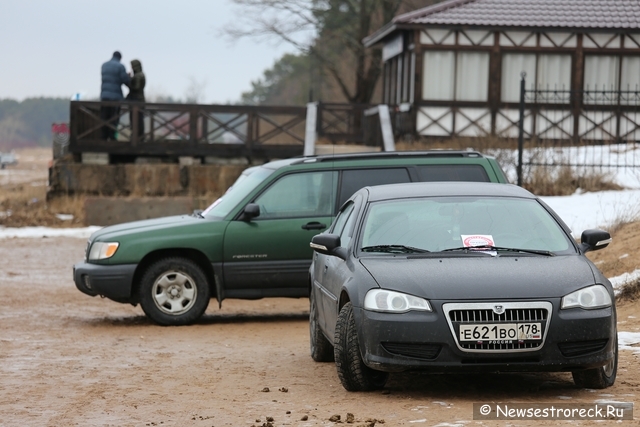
(479, 241)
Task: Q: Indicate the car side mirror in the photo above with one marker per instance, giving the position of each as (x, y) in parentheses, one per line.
(250, 211)
(593, 240)
(328, 244)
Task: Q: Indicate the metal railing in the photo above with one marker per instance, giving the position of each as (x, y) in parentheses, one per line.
(596, 129)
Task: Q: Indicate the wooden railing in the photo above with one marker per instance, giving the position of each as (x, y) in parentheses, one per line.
(173, 130)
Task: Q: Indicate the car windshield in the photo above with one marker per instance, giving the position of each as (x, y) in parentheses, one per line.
(496, 224)
(238, 191)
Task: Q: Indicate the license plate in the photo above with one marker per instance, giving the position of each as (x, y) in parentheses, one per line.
(501, 331)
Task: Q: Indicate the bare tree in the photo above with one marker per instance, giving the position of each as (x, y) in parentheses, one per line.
(329, 30)
(194, 94)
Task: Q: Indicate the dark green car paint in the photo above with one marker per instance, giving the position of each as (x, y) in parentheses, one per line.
(258, 257)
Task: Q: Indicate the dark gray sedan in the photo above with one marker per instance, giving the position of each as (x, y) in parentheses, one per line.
(455, 277)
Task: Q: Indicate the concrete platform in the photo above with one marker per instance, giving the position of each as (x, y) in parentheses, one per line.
(115, 210)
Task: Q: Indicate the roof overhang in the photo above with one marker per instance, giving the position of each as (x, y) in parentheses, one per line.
(418, 19)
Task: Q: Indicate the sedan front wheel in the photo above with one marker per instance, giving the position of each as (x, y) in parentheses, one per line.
(601, 377)
(353, 373)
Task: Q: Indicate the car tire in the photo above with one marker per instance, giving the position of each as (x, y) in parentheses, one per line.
(353, 373)
(321, 348)
(174, 292)
(601, 377)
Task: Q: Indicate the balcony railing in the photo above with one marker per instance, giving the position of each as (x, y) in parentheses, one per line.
(171, 130)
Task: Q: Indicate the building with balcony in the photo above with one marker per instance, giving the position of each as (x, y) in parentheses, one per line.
(454, 69)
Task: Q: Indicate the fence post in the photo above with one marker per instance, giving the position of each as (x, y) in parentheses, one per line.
(193, 125)
(134, 123)
(388, 143)
(521, 128)
(311, 134)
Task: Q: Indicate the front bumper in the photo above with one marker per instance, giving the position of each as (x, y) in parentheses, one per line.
(575, 339)
(112, 281)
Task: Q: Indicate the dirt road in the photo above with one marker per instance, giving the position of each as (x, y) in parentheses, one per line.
(67, 359)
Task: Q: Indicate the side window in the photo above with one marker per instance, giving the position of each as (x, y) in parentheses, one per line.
(347, 231)
(297, 195)
(341, 219)
(429, 173)
(353, 180)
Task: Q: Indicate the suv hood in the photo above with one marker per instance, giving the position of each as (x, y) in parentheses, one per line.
(482, 277)
(175, 232)
(127, 228)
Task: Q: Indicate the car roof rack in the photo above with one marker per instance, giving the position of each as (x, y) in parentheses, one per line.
(387, 154)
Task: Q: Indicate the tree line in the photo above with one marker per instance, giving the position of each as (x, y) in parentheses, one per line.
(28, 123)
(331, 63)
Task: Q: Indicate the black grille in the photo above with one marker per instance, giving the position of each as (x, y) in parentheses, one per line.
(500, 361)
(415, 350)
(579, 348)
(510, 315)
(515, 345)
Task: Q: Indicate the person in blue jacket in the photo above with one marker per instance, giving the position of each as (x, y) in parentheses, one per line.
(114, 76)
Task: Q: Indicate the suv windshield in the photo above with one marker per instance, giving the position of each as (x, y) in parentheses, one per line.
(238, 191)
(437, 224)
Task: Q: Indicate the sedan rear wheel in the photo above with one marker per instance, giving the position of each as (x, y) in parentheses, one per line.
(601, 377)
(174, 291)
(353, 373)
(321, 348)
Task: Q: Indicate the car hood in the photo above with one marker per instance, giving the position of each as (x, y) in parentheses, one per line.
(142, 237)
(157, 224)
(482, 277)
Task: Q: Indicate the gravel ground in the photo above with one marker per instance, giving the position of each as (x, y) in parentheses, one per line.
(68, 359)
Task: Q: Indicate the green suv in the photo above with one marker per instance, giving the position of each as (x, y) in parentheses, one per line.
(253, 242)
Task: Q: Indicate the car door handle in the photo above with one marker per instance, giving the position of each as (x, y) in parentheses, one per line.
(314, 225)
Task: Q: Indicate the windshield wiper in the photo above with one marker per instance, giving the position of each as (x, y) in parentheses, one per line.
(499, 248)
(198, 213)
(394, 249)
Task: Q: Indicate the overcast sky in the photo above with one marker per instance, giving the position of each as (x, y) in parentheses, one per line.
(56, 47)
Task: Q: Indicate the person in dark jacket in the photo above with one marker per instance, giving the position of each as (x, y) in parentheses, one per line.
(114, 76)
(136, 93)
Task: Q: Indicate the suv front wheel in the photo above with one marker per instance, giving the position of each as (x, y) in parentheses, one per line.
(174, 292)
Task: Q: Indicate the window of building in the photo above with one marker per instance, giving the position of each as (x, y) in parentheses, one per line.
(513, 65)
(438, 72)
(544, 72)
(630, 79)
(461, 76)
(472, 76)
(553, 72)
(398, 79)
(601, 72)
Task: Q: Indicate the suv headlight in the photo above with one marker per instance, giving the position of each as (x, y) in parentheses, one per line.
(103, 250)
(394, 302)
(595, 296)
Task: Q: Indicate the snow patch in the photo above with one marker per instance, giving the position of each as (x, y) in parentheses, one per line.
(629, 341)
(40, 232)
(595, 210)
(625, 278)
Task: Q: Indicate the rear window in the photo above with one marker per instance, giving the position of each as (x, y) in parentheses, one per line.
(430, 173)
(353, 180)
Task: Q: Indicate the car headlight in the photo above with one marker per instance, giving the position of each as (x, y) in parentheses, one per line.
(103, 250)
(595, 296)
(394, 302)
